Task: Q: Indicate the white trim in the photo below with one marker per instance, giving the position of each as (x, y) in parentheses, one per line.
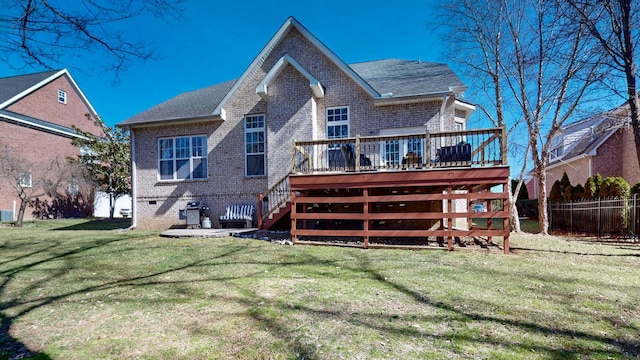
(316, 87)
(463, 106)
(262, 129)
(190, 158)
(47, 128)
(134, 183)
(566, 162)
(45, 82)
(62, 96)
(275, 40)
(348, 121)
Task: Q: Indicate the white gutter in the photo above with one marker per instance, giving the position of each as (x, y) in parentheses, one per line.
(445, 97)
(134, 193)
(575, 158)
(69, 134)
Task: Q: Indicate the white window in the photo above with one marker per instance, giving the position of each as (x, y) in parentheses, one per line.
(337, 128)
(557, 147)
(74, 187)
(26, 180)
(62, 96)
(182, 158)
(459, 126)
(406, 148)
(337, 123)
(254, 145)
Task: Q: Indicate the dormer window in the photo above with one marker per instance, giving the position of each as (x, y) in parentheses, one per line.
(62, 96)
(557, 147)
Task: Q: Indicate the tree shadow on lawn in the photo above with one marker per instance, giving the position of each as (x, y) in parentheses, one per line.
(516, 249)
(626, 348)
(100, 224)
(261, 311)
(11, 348)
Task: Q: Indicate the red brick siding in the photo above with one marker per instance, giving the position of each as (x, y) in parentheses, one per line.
(43, 104)
(36, 148)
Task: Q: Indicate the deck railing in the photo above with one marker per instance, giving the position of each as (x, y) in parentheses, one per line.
(273, 199)
(468, 148)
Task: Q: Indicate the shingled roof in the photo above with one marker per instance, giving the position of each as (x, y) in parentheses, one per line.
(587, 135)
(14, 88)
(14, 85)
(190, 105)
(393, 78)
(399, 78)
(388, 80)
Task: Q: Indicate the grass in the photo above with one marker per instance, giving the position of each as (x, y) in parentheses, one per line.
(75, 290)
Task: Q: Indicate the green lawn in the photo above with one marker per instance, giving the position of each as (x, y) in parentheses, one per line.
(78, 290)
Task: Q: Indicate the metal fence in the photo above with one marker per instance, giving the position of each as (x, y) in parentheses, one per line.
(610, 217)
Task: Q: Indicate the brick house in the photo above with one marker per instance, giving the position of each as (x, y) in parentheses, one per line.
(601, 144)
(37, 113)
(230, 142)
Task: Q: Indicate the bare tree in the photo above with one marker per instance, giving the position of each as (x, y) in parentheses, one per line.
(614, 24)
(40, 32)
(532, 63)
(476, 42)
(30, 180)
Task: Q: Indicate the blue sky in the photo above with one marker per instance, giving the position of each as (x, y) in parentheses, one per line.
(215, 41)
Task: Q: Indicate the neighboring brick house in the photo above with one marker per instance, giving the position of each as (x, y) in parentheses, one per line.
(228, 143)
(37, 113)
(602, 144)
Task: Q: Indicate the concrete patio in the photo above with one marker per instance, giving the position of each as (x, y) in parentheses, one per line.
(203, 233)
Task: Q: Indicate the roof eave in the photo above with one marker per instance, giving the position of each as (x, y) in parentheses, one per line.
(170, 121)
(275, 39)
(49, 79)
(67, 134)
(410, 99)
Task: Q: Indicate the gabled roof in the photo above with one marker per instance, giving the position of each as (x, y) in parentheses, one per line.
(289, 24)
(14, 88)
(314, 84)
(383, 80)
(197, 104)
(400, 78)
(585, 136)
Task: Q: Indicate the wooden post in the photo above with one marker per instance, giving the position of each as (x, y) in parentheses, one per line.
(357, 145)
(293, 217)
(293, 156)
(449, 218)
(503, 145)
(506, 222)
(427, 149)
(365, 211)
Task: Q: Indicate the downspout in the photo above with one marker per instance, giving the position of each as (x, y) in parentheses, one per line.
(134, 206)
(445, 98)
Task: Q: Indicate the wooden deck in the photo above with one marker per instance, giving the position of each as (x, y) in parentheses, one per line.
(386, 209)
(357, 192)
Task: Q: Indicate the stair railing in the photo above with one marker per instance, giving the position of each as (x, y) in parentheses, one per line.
(273, 199)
